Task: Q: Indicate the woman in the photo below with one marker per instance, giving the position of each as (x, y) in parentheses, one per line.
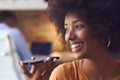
(90, 28)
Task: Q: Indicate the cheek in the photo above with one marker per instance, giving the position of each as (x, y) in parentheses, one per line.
(85, 34)
(82, 34)
(87, 37)
(91, 41)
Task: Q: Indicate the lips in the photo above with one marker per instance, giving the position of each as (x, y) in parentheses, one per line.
(77, 46)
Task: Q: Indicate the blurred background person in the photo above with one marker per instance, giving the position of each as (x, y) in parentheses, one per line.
(8, 22)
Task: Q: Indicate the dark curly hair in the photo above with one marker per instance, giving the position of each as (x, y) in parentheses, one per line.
(7, 15)
(102, 16)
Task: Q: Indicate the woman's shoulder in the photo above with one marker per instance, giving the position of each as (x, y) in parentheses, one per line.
(64, 69)
(69, 65)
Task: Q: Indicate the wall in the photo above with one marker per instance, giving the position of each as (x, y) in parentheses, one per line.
(36, 26)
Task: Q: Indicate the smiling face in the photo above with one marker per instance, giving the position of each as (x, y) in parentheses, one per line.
(79, 37)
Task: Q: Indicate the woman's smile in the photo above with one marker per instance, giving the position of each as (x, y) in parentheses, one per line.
(77, 47)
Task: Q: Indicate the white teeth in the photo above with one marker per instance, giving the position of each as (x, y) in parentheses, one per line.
(75, 45)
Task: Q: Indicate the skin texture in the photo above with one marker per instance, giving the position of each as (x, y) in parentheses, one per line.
(92, 50)
(39, 71)
(77, 32)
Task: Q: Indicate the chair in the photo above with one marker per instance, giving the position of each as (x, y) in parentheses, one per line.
(9, 67)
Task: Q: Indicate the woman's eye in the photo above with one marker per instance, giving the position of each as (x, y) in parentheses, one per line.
(79, 27)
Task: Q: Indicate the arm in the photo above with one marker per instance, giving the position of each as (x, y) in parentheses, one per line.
(66, 57)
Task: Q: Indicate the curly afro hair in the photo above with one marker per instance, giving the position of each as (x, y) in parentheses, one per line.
(102, 16)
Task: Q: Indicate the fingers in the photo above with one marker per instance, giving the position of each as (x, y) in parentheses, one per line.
(40, 71)
(45, 69)
(48, 71)
(51, 66)
(24, 69)
(43, 66)
(34, 67)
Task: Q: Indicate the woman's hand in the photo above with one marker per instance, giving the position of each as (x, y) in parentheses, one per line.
(39, 71)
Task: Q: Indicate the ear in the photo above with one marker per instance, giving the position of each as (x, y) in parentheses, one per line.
(107, 42)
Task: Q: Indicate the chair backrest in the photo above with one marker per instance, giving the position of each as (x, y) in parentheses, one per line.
(9, 58)
(6, 43)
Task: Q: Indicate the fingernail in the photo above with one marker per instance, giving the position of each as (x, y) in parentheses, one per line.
(47, 59)
(32, 57)
(55, 59)
(21, 63)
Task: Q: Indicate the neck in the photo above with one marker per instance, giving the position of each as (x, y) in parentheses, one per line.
(99, 67)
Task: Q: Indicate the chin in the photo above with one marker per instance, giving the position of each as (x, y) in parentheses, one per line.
(80, 55)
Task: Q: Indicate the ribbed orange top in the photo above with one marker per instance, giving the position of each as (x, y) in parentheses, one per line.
(69, 71)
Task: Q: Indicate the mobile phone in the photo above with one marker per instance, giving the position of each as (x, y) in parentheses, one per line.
(38, 60)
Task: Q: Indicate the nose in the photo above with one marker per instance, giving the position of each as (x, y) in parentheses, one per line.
(71, 35)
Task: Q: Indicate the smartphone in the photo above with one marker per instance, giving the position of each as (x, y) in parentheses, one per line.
(38, 60)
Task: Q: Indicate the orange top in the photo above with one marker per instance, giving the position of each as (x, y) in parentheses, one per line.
(69, 71)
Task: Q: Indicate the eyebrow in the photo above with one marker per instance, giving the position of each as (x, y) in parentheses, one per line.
(74, 22)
